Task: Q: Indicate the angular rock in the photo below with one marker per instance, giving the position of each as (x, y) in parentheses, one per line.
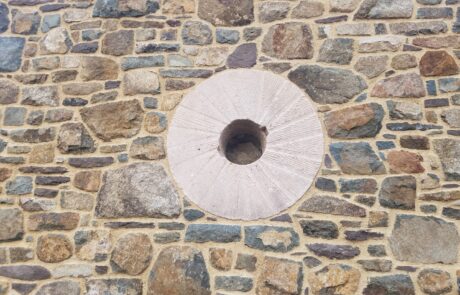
(451, 117)
(320, 229)
(196, 33)
(272, 11)
(418, 239)
(4, 19)
(363, 185)
(98, 68)
(40, 96)
(404, 110)
(357, 158)
(148, 148)
(377, 265)
(316, 81)
(53, 248)
(334, 251)
(25, 272)
(141, 82)
(178, 6)
(60, 287)
(392, 284)
(371, 66)
(92, 245)
(292, 40)
(73, 138)
(53, 221)
(244, 56)
(218, 233)
(132, 254)
(221, 259)
(146, 192)
(11, 53)
(87, 180)
(438, 63)
(186, 265)
(335, 279)
(108, 121)
(9, 91)
(279, 276)
(92, 162)
(20, 185)
(398, 192)
(331, 205)
(233, 283)
(76, 201)
(119, 286)
(434, 281)
(79, 89)
(25, 23)
(226, 14)
(118, 43)
(362, 235)
(271, 238)
(307, 9)
(405, 162)
(401, 86)
(13, 222)
(56, 41)
(246, 262)
(338, 51)
(225, 36)
(379, 44)
(385, 9)
(135, 62)
(119, 8)
(403, 61)
(448, 151)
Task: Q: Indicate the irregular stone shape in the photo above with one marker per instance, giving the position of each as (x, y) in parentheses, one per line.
(13, 225)
(92, 162)
(76, 201)
(378, 265)
(357, 158)
(385, 9)
(118, 43)
(403, 61)
(334, 251)
(448, 151)
(371, 66)
(316, 82)
(178, 6)
(219, 233)
(146, 192)
(438, 63)
(451, 117)
(271, 238)
(53, 221)
(392, 284)
(73, 138)
(362, 235)
(56, 41)
(135, 62)
(334, 279)
(221, 259)
(226, 36)
(233, 283)
(108, 121)
(92, 245)
(25, 272)
(403, 110)
(307, 9)
(60, 287)
(98, 68)
(40, 96)
(141, 82)
(271, 11)
(434, 281)
(417, 142)
(20, 185)
(25, 23)
(338, 51)
(416, 28)
(119, 8)
(9, 91)
(53, 248)
(155, 122)
(398, 192)
(343, 5)
(196, 33)
(403, 86)
(226, 14)
(4, 19)
(148, 148)
(320, 229)
(379, 44)
(87, 180)
(132, 254)
(11, 53)
(355, 122)
(50, 22)
(405, 162)
(363, 185)
(246, 262)
(188, 268)
(292, 40)
(244, 56)
(79, 89)
(331, 205)
(418, 239)
(279, 276)
(114, 286)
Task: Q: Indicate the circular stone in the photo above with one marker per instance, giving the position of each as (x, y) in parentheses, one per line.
(245, 144)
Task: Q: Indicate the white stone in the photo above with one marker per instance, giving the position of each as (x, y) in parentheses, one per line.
(141, 82)
(72, 270)
(212, 56)
(55, 41)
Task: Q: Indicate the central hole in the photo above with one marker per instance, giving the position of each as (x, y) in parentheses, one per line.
(243, 142)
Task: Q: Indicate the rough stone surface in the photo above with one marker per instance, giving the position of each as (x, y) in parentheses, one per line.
(381, 9)
(433, 281)
(288, 41)
(132, 254)
(9, 93)
(219, 233)
(60, 287)
(448, 151)
(405, 162)
(56, 41)
(331, 205)
(357, 158)
(118, 286)
(398, 192)
(338, 51)
(280, 276)
(53, 248)
(401, 86)
(392, 284)
(73, 138)
(141, 82)
(268, 238)
(438, 63)
(233, 13)
(11, 54)
(13, 225)
(371, 66)
(244, 56)
(334, 251)
(335, 279)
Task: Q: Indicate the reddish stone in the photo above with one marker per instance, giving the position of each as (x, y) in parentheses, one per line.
(438, 63)
(405, 162)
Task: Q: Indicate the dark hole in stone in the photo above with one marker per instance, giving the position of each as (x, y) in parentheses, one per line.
(243, 142)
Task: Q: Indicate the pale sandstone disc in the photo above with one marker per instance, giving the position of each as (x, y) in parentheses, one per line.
(293, 153)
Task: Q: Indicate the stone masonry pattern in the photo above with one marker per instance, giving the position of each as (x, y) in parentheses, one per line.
(88, 204)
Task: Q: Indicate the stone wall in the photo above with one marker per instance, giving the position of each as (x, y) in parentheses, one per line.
(88, 204)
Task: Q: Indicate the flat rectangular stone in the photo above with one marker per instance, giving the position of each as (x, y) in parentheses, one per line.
(416, 28)
(218, 233)
(436, 102)
(155, 47)
(186, 73)
(90, 162)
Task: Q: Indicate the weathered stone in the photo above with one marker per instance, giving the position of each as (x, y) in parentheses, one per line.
(186, 73)
(435, 282)
(90, 162)
(403, 86)
(381, 9)
(4, 19)
(233, 283)
(58, 115)
(252, 33)
(76, 201)
(244, 56)
(20, 185)
(60, 287)
(114, 120)
(378, 219)
(25, 272)
(35, 204)
(292, 40)
(51, 180)
(361, 235)
(9, 91)
(334, 251)
(371, 66)
(279, 276)
(417, 142)
(119, 8)
(118, 43)
(219, 233)
(379, 44)
(118, 286)
(226, 36)
(308, 9)
(357, 158)
(73, 138)
(154, 47)
(50, 22)
(234, 13)
(271, 238)
(405, 162)
(53, 221)
(419, 238)
(98, 68)
(451, 117)
(155, 122)
(403, 61)
(363, 185)
(56, 41)
(400, 110)
(272, 11)
(5, 173)
(13, 225)
(40, 96)
(186, 265)
(135, 62)
(331, 205)
(14, 116)
(196, 33)
(338, 51)
(92, 245)
(87, 180)
(11, 53)
(337, 279)
(220, 258)
(320, 229)
(246, 262)
(398, 192)
(178, 6)
(132, 254)
(146, 192)
(438, 63)
(416, 28)
(392, 284)
(25, 23)
(53, 248)
(377, 265)
(358, 29)
(141, 82)
(79, 89)
(343, 5)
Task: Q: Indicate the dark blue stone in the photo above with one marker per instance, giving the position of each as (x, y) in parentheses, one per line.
(218, 233)
(385, 145)
(192, 214)
(10, 53)
(4, 20)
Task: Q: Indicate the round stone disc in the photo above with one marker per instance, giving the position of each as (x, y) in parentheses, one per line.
(293, 152)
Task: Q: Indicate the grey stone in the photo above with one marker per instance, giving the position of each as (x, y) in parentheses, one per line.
(385, 9)
(176, 60)
(14, 116)
(317, 81)
(20, 185)
(334, 251)
(272, 11)
(320, 229)
(25, 23)
(193, 214)
(246, 262)
(218, 233)
(371, 66)
(418, 239)
(451, 117)
(50, 22)
(186, 73)
(402, 110)
(435, 13)
(148, 148)
(448, 151)
(271, 238)
(60, 287)
(226, 14)
(34, 204)
(14, 219)
(338, 51)
(308, 9)
(58, 115)
(40, 96)
(135, 62)
(119, 8)
(331, 205)
(362, 185)
(233, 283)
(132, 254)
(252, 33)
(90, 162)
(9, 91)
(4, 19)
(226, 36)
(25, 272)
(392, 284)
(244, 56)
(166, 238)
(119, 286)
(56, 41)
(357, 158)
(196, 33)
(398, 192)
(377, 250)
(10, 55)
(74, 138)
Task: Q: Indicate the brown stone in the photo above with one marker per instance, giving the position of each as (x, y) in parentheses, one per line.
(416, 142)
(141, 82)
(108, 121)
(53, 248)
(221, 259)
(148, 148)
(90, 245)
(88, 180)
(228, 13)
(371, 66)
(155, 122)
(98, 68)
(404, 86)
(292, 40)
(73, 138)
(53, 221)
(81, 88)
(403, 61)
(178, 6)
(132, 254)
(398, 192)
(434, 281)
(9, 91)
(405, 162)
(335, 279)
(41, 154)
(118, 43)
(378, 219)
(308, 9)
(5, 173)
(438, 63)
(279, 276)
(12, 228)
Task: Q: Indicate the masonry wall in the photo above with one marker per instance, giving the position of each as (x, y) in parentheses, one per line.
(87, 91)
